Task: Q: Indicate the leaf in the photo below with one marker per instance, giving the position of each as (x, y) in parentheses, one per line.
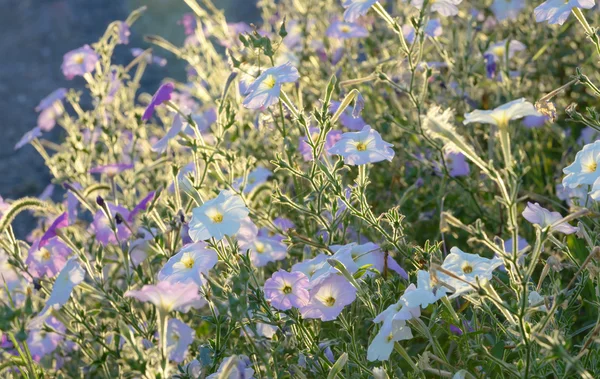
(338, 366)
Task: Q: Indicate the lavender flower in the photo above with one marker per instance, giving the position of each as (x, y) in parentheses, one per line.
(507, 9)
(366, 146)
(218, 217)
(60, 222)
(179, 338)
(150, 58)
(56, 96)
(263, 249)
(169, 296)
(330, 140)
(346, 30)
(234, 367)
(79, 62)
(347, 119)
(28, 137)
(162, 95)
(356, 8)
(255, 178)
(328, 299)
(285, 290)
(123, 32)
(432, 29)
(48, 259)
(557, 11)
(188, 21)
(189, 265)
(42, 343)
(102, 228)
(536, 214)
(444, 7)
(265, 90)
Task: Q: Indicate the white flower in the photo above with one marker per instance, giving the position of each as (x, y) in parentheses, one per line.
(502, 115)
(469, 268)
(382, 345)
(584, 171)
(218, 217)
(535, 298)
(188, 266)
(536, 214)
(366, 146)
(443, 7)
(507, 9)
(426, 292)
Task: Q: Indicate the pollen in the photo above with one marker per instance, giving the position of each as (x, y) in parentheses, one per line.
(260, 247)
(591, 167)
(345, 29)
(217, 218)
(467, 268)
(286, 289)
(45, 254)
(187, 261)
(361, 146)
(78, 59)
(270, 81)
(330, 301)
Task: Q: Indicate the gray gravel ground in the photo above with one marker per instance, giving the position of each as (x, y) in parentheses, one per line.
(34, 36)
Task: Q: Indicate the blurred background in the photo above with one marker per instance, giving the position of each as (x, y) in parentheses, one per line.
(34, 36)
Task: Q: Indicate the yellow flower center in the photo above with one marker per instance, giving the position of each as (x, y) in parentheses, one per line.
(270, 81)
(498, 51)
(591, 167)
(78, 59)
(286, 289)
(217, 218)
(345, 29)
(361, 146)
(187, 261)
(260, 247)
(390, 337)
(330, 301)
(467, 268)
(45, 254)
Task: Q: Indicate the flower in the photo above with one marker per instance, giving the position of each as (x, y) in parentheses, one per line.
(328, 299)
(263, 248)
(584, 170)
(51, 108)
(265, 90)
(456, 162)
(382, 345)
(444, 7)
(535, 121)
(310, 266)
(60, 222)
(255, 178)
(426, 293)
(500, 49)
(111, 169)
(48, 101)
(356, 8)
(123, 32)
(467, 267)
(28, 137)
(557, 11)
(346, 30)
(102, 226)
(234, 367)
(162, 95)
(507, 9)
(48, 259)
(573, 196)
(368, 254)
(70, 276)
(189, 264)
(502, 115)
(285, 290)
(42, 343)
(179, 338)
(169, 296)
(79, 62)
(218, 217)
(150, 58)
(366, 146)
(188, 21)
(535, 214)
(432, 29)
(330, 140)
(534, 298)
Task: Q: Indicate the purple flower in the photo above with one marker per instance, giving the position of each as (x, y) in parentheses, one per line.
(47, 118)
(101, 226)
(533, 122)
(444, 7)
(500, 50)
(162, 95)
(507, 9)
(455, 162)
(188, 21)
(189, 265)
(328, 299)
(123, 32)
(234, 30)
(356, 8)
(346, 30)
(61, 221)
(366, 146)
(310, 266)
(346, 118)
(56, 96)
(150, 58)
(143, 204)
(262, 249)
(285, 290)
(79, 62)
(265, 90)
(283, 223)
(535, 214)
(170, 296)
(303, 147)
(28, 137)
(255, 178)
(49, 259)
(432, 29)
(179, 338)
(557, 11)
(111, 169)
(42, 343)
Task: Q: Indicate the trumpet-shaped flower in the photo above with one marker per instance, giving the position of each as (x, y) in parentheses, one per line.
(255, 178)
(444, 7)
(179, 338)
(328, 299)
(507, 9)
(347, 118)
(330, 140)
(42, 343)
(79, 62)
(426, 292)
(346, 30)
(265, 90)
(584, 170)
(382, 345)
(263, 249)
(102, 226)
(432, 29)
(502, 115)
(189, 264)
(217, 218)
(499, 50)
(356, 8)
(466, 269)
(163, 94)
(28, 137)
(366, 146)
(285, 290)
(47, 260)
(234, 367)
(167, 296)
(60, 222)
(536, 214)
(557, 11)
(310, 266)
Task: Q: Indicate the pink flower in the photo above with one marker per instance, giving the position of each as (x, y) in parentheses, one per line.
(48, 259)
(170, 296)
(286, 290)
(536, 214)
(162, 95)
(79, 62)
(328, 299)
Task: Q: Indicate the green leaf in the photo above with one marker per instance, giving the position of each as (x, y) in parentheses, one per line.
(338, 366)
